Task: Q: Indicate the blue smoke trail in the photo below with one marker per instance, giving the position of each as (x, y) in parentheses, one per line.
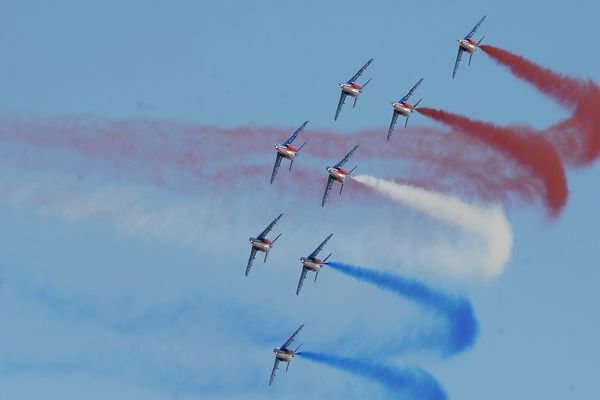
(457, 311)
(413, 382)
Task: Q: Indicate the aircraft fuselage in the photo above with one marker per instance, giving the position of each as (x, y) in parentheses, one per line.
(284, 355)
(338, 174)
(312, 264)
(403, 108)
(263, 245)
(288, 151)
(351, 89)
(467, 45)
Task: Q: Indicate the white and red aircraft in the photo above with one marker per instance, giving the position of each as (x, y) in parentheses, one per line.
(467, 44)
(283, 354)
(261, 243)
(339, 174)
(402, 107)
(351, 88)
(286, 150)
(312, 263)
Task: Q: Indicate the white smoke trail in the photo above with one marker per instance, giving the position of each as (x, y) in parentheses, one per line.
(488, 223)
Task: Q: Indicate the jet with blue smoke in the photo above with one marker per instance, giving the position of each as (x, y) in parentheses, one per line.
(462, 327)
(414, 383)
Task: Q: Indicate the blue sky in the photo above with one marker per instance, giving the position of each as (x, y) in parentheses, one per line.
(127, 290)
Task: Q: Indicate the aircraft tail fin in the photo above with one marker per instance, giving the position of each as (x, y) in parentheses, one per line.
(356, 166)
(300, 148)
(480, 40)
(366, 83)
(298, 348)
(274, 240)
(327, 258)
(417, 103)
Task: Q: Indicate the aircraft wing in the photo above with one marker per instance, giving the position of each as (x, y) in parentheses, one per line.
(458, 58)
(360, 71)
(276, 167)
(327, 190)
(292, 338)
(411, 91)
(392, 124)
(346, 158)
(274, 371)
(271, 225)
(301, 281)
(470, 35)
(318, 249)
(340, 105)
(250, 260)
(294, 135)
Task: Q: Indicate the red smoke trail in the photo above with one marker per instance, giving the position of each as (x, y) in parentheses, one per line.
(531, 151)
(578, 137)
(193, 159)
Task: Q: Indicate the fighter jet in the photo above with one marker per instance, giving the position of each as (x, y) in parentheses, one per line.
(339, 174)
(312, 263)
(286, 150)
(261, 243)
(284, 354)
(351, 88)
(402, 107)
(467, 44)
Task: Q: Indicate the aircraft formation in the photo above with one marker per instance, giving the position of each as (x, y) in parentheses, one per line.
(336, 173)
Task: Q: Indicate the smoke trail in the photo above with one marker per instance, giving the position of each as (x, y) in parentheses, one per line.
(578, 137)
(457, 312)
(490, 224)
(413, 383)
(565, 90)
(531, 151)
(186, 158)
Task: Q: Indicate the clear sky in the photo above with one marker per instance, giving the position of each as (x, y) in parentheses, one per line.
(127, 290)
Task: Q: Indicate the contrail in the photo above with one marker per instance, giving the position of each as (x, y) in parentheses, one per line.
(490, 223)
(530, 150)
(413, 383)
(578, 137)
(457, 312)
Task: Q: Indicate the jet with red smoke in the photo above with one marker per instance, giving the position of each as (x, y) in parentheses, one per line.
(467, 44)
(402, 107)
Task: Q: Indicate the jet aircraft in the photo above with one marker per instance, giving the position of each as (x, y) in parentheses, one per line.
(261, 243)
(467, 44)
(351, 88)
